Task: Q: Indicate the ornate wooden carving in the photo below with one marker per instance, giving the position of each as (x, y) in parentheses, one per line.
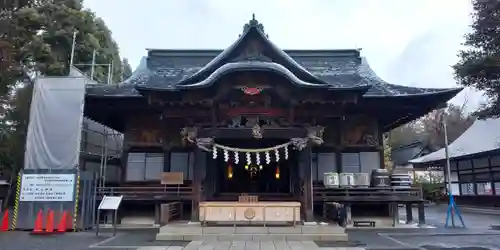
(145, 130)
(359, 131)
(257, 132)
(189, 135)
(332, 132)
(145, 137)
(315, 134)
(255, 111)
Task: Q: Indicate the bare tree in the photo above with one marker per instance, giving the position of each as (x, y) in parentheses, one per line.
(457, 121)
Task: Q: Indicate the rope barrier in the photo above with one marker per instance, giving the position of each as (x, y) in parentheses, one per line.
(252, 150)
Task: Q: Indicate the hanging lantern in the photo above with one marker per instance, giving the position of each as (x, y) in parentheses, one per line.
(226, 155)
(257, 158)
(214, 152)
(236, 157)
(229, 171)
(249, 159)
(268, 158)
(246, 167)
(277, 174)
(260, 167)
(286, 152)
(277, 154)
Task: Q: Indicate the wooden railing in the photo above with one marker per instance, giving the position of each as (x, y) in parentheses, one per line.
(164, 192)
(366, 194)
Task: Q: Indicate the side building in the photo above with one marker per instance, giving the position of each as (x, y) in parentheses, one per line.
(474, 164)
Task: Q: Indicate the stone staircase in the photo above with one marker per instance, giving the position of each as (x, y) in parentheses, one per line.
(187, 231)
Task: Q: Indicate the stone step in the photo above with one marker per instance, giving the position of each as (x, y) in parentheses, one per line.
(256, 237)
(193, 229)
(186, 231)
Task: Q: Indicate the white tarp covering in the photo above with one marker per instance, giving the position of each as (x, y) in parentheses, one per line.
(53, 140)
(482, 136)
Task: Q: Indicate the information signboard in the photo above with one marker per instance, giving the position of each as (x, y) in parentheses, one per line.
(47, 187)
(110, 202)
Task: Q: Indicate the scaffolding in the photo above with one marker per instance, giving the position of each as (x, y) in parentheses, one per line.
(100, 144)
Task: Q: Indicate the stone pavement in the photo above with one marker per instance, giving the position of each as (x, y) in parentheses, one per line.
(477, 236)
(251, 245)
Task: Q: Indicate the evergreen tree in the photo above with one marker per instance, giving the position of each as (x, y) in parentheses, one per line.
(479, 64)
(39, 35)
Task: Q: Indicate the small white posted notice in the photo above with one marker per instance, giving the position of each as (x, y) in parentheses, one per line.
(47, 187)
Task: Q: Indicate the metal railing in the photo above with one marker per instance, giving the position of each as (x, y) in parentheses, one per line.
(321, 193)
(148, 193)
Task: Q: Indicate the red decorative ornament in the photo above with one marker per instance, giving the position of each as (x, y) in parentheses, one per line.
(251, 90)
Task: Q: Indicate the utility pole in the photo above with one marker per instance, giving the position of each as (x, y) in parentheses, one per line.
(452, 206)
(92, 67)
(72, 56)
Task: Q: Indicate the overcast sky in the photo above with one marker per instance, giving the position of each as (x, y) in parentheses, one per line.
(407, 42)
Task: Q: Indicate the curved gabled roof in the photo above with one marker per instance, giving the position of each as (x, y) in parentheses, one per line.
(255, 30)
(254, 66)
(173, 70)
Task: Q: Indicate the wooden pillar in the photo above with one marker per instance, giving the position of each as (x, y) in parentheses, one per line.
(409, 213)
(209, 182)
(421, 213)
(381, 149)
(197, 177)
(124, 162)
(338, 159)
(492, 177)
(394, 212)
(166, 158)
(473, 176)
(307, 186)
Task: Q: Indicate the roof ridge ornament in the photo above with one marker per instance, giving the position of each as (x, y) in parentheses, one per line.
(253, 23)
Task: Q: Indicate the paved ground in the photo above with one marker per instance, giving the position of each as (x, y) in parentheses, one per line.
(477, 236)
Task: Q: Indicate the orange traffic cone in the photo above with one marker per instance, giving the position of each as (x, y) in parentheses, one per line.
(38, 229)
(62, 227)
(5, 222)
(49, 228)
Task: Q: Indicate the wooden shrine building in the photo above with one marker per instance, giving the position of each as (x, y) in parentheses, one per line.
(254, 118)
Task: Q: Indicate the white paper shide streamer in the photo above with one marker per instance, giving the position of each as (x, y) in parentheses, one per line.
(226, 155)
(268, 157)
(257, 158)
(249, 159)
(236, 157)
(214, 152)
(286, 153)
(277, 154)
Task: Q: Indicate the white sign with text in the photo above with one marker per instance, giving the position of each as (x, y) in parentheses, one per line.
(47, 187)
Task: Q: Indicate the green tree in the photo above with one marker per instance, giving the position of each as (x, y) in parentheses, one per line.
(479, 64)
(39, 37)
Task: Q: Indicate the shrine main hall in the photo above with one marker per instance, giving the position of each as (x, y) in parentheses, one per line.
(253, 124)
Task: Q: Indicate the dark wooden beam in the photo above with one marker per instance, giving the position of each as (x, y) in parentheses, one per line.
(308, 186)
(197, 178)
(246, 133)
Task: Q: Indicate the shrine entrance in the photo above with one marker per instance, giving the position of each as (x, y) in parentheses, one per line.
(270, 175)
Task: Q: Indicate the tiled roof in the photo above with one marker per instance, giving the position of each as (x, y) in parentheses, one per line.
(331, 69)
